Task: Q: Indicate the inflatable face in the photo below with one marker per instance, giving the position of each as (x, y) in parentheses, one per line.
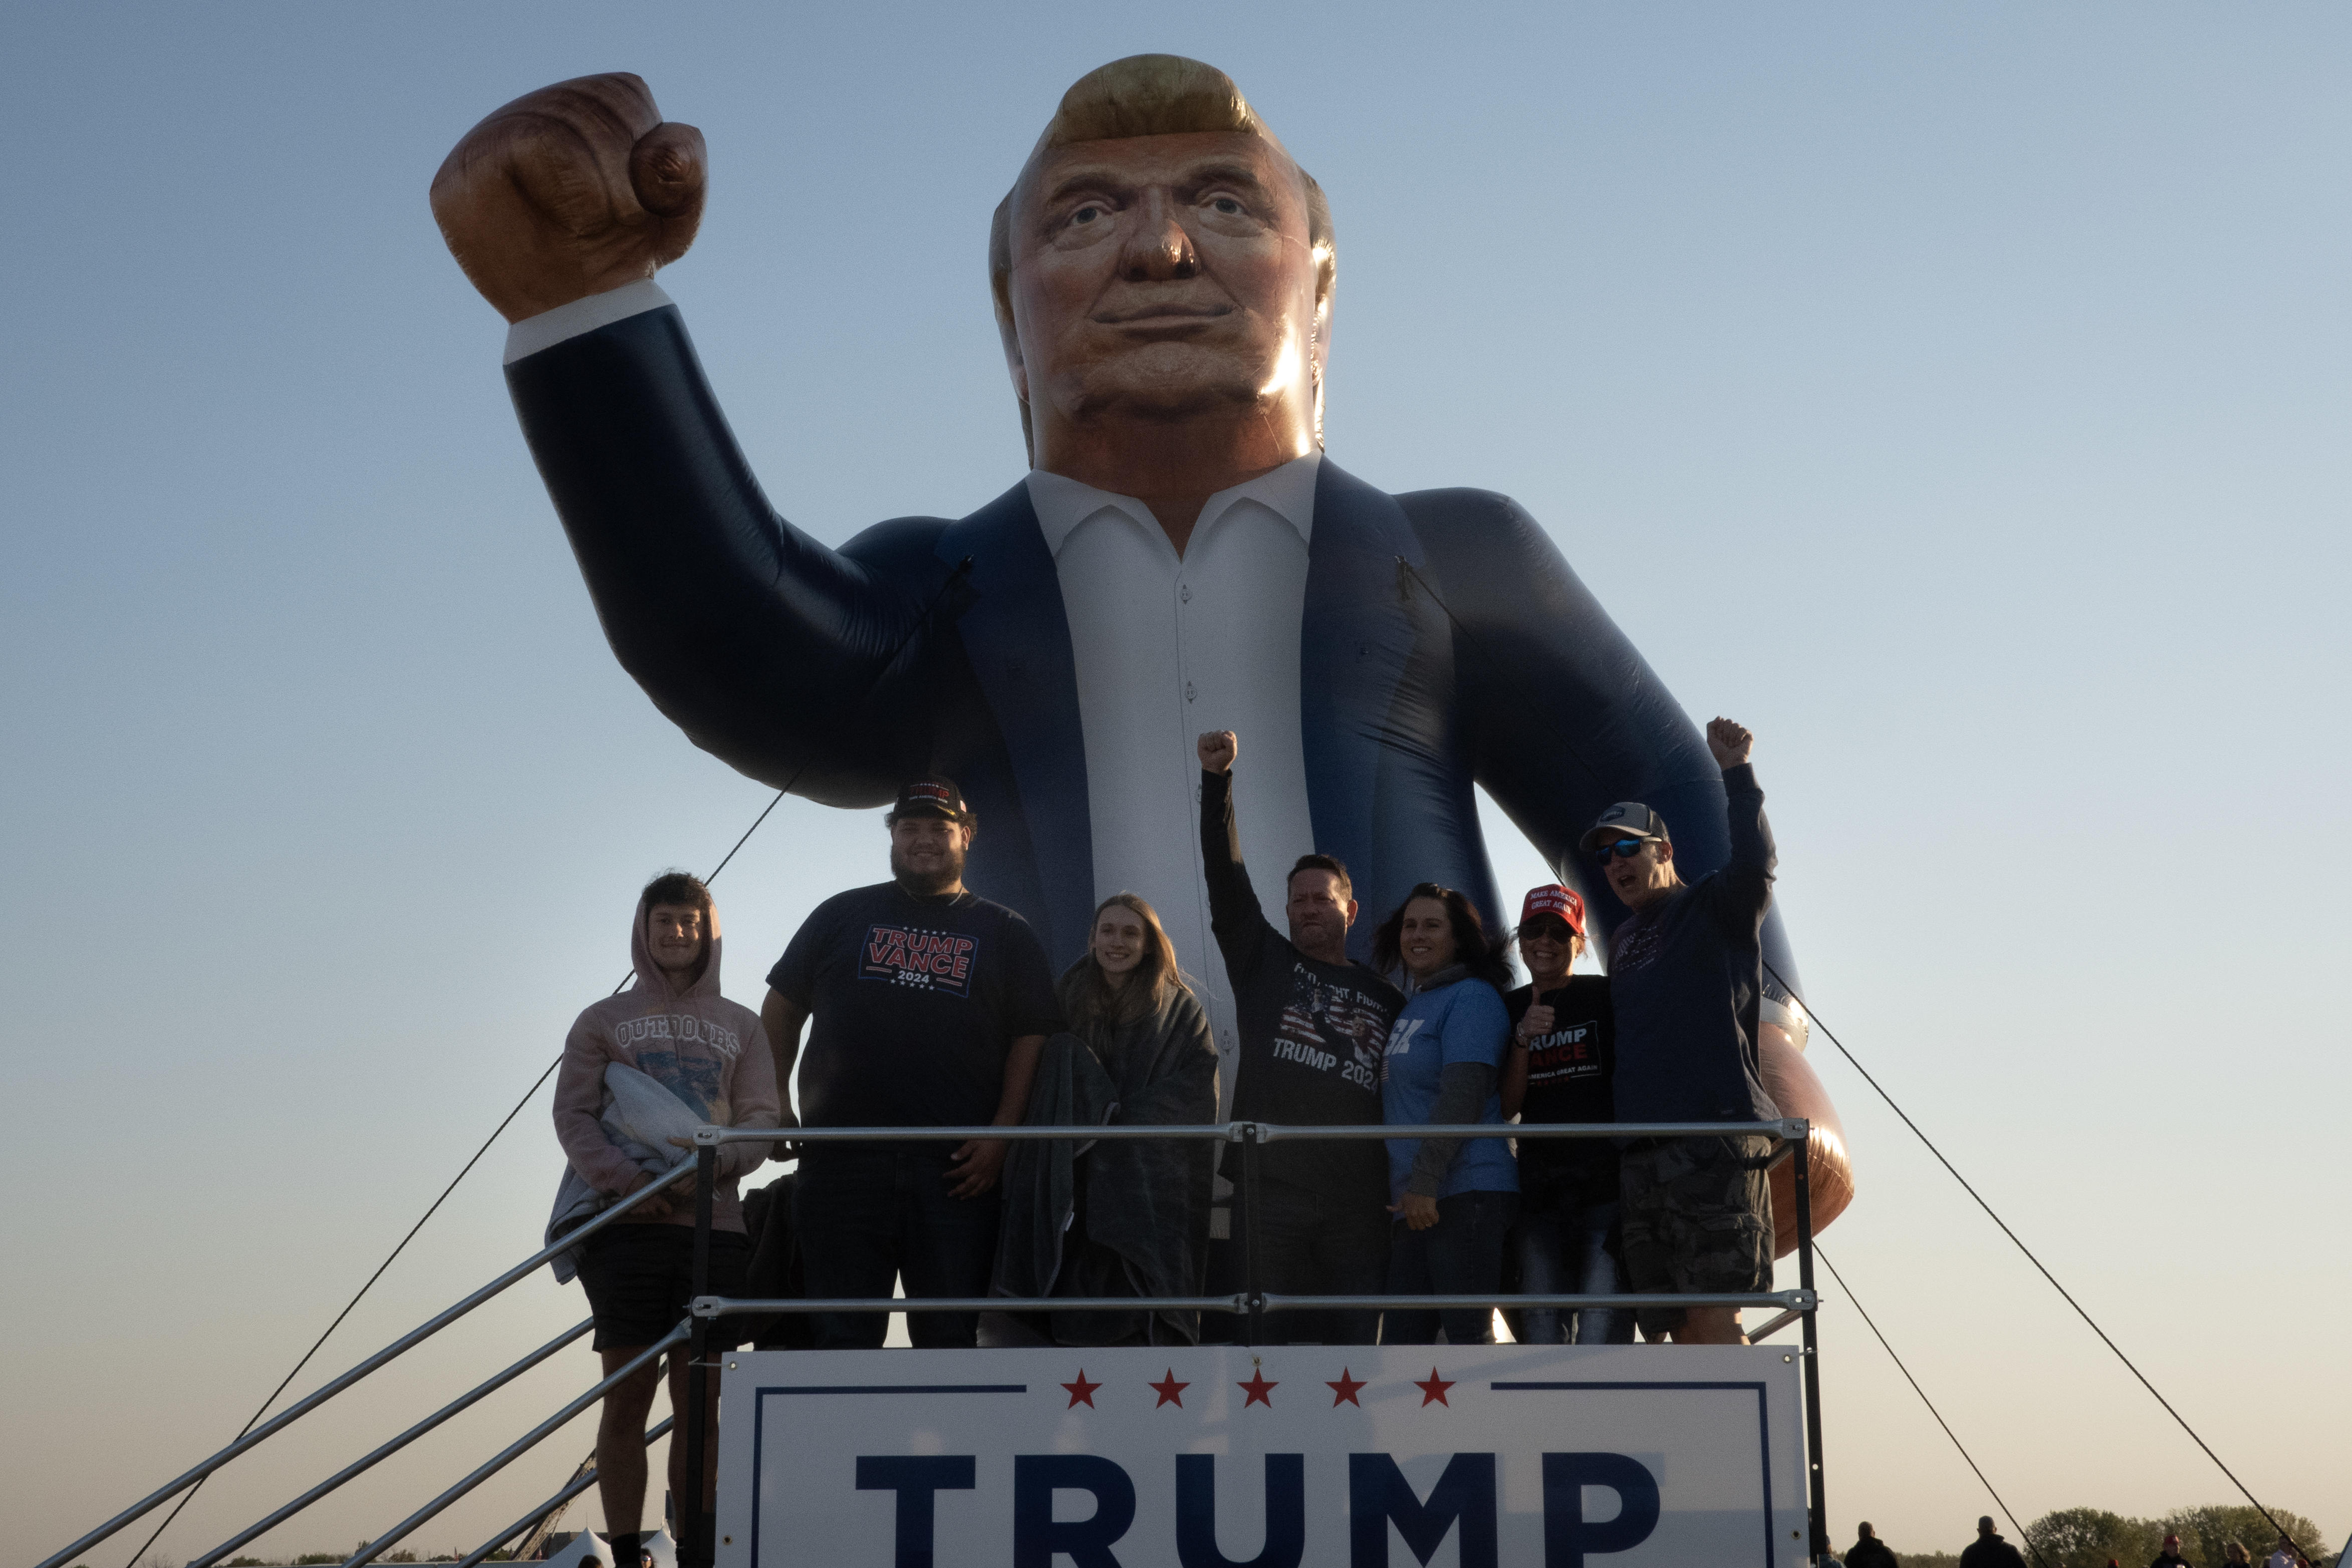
(1165, 280)
(1180, 557)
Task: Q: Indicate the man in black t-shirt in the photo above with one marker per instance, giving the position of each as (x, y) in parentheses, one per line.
(1563, 1055)
(1313, 1025)
(932, 1006)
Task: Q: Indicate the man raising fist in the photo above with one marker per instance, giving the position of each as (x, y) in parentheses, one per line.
(1685, 980)
(1313, 1024)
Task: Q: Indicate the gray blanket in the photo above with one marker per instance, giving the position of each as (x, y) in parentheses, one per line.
(640, 1117)
(1142, 1225)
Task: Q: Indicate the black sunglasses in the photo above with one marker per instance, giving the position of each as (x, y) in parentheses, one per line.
(1624, 849)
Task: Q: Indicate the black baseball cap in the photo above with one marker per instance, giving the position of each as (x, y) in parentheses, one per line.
(1626, 819)
(934, 794)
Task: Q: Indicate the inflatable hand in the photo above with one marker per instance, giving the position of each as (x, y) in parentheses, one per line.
(569, 191)
(1794, 1087)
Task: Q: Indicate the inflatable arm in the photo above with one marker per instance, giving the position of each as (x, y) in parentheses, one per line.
(1563, 717)
(763, 645)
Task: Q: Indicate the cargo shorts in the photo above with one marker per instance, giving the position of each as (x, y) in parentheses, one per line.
(1697, 1217)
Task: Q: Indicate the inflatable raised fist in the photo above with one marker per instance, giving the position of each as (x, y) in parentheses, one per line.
(569, 191)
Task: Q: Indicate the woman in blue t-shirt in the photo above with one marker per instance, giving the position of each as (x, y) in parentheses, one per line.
(1454, 1198)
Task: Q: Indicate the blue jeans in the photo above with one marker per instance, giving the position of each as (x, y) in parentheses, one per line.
(1567, 1252)
(1460, 1254)
(868, 1217)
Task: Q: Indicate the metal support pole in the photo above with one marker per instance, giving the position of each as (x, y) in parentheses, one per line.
(1812, 1355)
(270, 1522)
(650, 1355)
(1253, 1326)
(406, 1341)
(695, 1542)
(573, 1488)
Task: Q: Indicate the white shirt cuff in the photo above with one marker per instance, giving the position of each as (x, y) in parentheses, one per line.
(549, 328)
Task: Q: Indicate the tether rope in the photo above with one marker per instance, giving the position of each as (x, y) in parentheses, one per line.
(1855, 1302)
(189, 1496)
(2044, 1272)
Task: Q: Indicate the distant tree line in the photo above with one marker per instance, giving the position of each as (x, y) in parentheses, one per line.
(2090, 1537)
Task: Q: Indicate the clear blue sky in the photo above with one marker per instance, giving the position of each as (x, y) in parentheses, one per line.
(1958, 396)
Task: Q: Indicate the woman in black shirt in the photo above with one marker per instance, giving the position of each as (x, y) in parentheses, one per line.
(1562, 1052)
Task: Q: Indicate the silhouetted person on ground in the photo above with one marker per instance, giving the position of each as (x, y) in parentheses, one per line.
(1869, 1552)
(1989, 1549)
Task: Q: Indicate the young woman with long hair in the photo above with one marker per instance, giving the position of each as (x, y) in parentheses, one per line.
(1119, 1218)
(1455, 1199)
(1129, 974)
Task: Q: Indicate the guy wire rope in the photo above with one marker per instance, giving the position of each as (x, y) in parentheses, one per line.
(187, 1497)
(2044, 1272)
(1855, 1302)
(1406, 568)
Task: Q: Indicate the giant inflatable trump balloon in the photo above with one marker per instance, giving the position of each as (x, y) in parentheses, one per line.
(1181, 555)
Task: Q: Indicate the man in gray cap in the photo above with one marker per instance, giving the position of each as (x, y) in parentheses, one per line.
(1685, 977)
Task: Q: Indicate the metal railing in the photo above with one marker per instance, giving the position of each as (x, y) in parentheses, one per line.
(369, 1461)
(1250, 1305)
(1793, 1134)
(519, 1448)
(401, 1346)
(555, 1499)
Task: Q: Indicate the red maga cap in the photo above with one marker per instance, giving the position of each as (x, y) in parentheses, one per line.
(1551, 899)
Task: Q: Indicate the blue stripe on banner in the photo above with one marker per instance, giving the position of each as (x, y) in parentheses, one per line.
(1512, 1387)
(901, 1388)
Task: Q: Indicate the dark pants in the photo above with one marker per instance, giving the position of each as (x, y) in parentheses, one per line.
(869, 1216)
(1309, 1244)
(1460, 1254)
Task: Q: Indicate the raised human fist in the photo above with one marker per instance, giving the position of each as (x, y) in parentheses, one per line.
(1728, 741)
(1218, 749)
(569, 191)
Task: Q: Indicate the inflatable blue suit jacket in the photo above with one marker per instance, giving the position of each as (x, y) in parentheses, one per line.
(1445, 644)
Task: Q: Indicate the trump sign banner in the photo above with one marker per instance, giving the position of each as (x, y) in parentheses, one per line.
(1280, 1457)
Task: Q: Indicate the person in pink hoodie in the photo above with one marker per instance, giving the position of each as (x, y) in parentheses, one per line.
(673, 1027)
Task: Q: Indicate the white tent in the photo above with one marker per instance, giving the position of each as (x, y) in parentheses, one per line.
(589, 1543)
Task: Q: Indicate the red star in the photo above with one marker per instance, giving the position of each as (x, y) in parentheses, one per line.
(1082, 1392)
(1257, 1388)
(1432, 1389)
(1345, 1390)
(1170, 1391)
